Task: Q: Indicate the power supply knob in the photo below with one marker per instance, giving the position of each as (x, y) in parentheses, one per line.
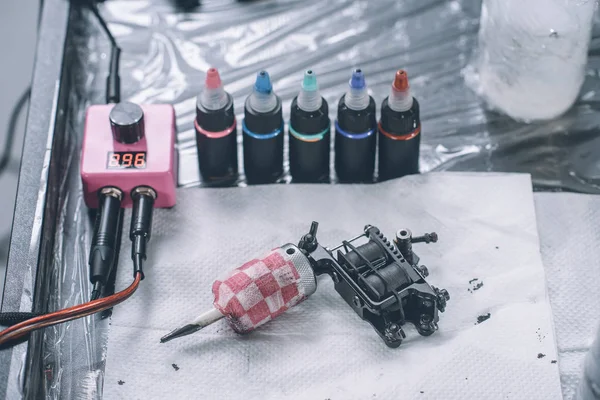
(127, 122)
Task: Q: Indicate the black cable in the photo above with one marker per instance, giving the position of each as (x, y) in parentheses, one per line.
(109, 288)
(141, 225)
(12, 127)
(14, 115)
(96, 291)
(103, 251)
(94, 8)
(113, 81)
(11, 318)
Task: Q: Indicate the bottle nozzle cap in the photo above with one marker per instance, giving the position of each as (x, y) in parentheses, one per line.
(309, 83)
(213, 97)
(357, 97)
(263, 83)
(262, 99)
(309, 98)
(400, 81)
(400, 98)
(213, 80)
(358, 79)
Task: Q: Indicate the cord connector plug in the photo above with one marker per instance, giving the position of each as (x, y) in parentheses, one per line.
(105, 239)
(141, 224)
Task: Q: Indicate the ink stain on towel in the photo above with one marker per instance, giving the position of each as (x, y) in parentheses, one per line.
(553, 362)
(482, 318)
(175, 367)
(120, 382)
(540, 355)
(476, 285)
(539, 335)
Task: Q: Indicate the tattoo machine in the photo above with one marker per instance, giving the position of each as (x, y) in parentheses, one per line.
(380, 280)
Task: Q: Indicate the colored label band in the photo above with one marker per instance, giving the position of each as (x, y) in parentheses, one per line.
(269, 135)
(215, 135)
(408, 136)
(313, 137)
(350, 135)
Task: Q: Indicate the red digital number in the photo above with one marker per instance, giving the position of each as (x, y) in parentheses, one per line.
(140, 160)
(127, 160)
(114, 160)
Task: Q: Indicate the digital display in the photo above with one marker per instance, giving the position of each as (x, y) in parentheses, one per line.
(126, 159)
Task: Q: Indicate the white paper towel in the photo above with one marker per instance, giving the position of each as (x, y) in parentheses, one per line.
(321, 349)
(569, 227)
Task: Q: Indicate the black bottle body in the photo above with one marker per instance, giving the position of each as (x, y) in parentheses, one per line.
(310, 144)
(263, 144)
(399, 142)
(355, 143)
(216, 140)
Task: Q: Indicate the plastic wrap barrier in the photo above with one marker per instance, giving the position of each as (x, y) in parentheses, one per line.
(166, 53)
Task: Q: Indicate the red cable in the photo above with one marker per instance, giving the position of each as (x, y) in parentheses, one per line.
(82, 310)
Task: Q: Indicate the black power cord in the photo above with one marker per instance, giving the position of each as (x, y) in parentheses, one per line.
(14, 115)
(109, 288)
(11, 318)
(12, 127)
(113, 81)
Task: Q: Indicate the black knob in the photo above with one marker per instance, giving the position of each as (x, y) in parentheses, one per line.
(127, 122)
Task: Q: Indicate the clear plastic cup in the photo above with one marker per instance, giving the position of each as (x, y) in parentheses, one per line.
(532, 55)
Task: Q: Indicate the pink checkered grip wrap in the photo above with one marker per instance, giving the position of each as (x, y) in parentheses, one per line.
(258, 291)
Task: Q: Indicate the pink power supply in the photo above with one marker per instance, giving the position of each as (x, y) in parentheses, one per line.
(128, 147)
